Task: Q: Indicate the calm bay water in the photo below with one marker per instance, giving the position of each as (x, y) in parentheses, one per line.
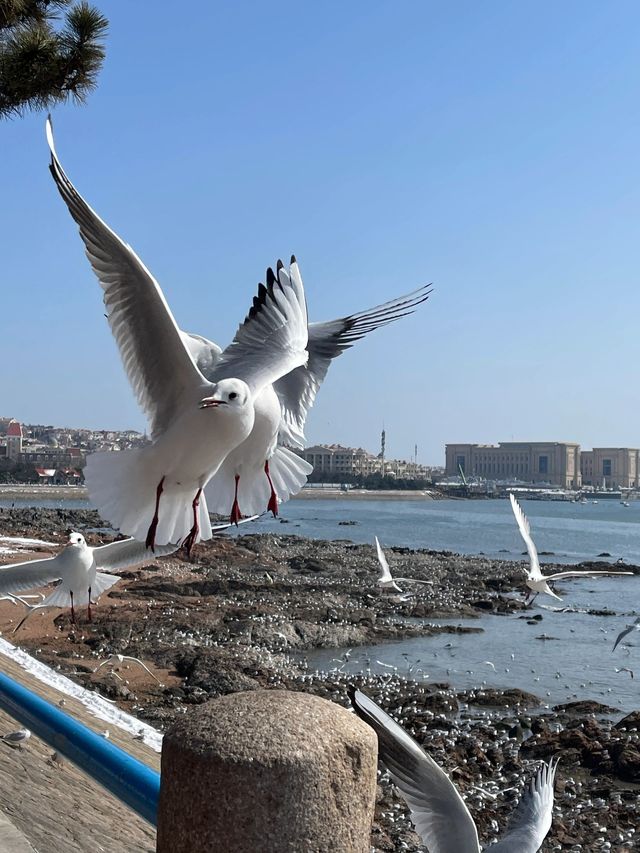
(572, 531)
(576, 663)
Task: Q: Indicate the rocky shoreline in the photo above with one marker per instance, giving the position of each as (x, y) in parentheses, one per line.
(242, 615)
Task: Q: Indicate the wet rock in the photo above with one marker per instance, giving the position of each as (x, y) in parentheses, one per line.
(586, 706)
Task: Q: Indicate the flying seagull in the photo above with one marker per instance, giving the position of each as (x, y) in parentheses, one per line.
(155, 493)
(80, 570)
(438, 812)
(262, 470)
(385, 579)
(635, 626)
(536, 581)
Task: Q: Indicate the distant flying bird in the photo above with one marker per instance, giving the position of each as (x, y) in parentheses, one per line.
(536, 581)
(385, 580)
(80, 569)
(17, 739)
(635, 626)
(625, 669)
(261, 471)
(438, 812)
(155, 493)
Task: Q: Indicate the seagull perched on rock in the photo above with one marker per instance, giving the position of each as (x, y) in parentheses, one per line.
(81, 572)
(438, 812)
(536, 581)
(386, 580)
(155, 493)
(635, 626)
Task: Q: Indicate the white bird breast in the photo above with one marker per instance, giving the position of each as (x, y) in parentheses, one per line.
(199, 440)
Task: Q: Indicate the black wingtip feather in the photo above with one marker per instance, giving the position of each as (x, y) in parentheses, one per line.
(293, 259)
(271, 279)
(279, 265)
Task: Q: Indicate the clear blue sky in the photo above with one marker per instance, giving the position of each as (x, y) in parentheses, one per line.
(490, 148)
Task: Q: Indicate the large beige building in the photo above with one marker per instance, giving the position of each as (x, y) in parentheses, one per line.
(339, 461)
(552, 462)
(613, 467)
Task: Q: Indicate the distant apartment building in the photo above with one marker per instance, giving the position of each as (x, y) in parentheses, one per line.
(13, 440)
(339, 461)
(613, 467)
(553, 462)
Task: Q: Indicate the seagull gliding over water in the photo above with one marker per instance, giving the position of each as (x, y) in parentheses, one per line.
(536, 581)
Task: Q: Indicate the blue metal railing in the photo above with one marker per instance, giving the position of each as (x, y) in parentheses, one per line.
(124, 776)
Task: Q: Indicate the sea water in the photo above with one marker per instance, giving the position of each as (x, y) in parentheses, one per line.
(575, 658)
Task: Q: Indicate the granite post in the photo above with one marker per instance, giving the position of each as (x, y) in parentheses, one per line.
(267, 770)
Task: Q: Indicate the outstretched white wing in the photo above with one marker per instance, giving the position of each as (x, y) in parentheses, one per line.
(19, 576)
(385, 572)
(525, 532)
(297, 390)
(531, 821)
(437, 809)
(158, 365)
(272, 340)
(128, 553)
(624, 633)
(585, 574)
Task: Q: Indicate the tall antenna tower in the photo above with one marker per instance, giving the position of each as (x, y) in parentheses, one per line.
(383, 442)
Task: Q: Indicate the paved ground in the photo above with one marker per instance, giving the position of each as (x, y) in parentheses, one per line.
(56, 806)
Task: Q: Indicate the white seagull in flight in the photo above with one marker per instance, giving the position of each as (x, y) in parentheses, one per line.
(262, 471)
(82, 572)
(438, 812)
(385, 579)
(635, 626)
(536, 581)
(155, 493)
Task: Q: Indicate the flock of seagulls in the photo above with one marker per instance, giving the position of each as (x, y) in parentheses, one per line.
(222, 422)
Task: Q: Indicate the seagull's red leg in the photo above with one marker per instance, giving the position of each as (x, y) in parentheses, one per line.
(236, 515)
(272, 506)
(193, 533)
(151, 533)
(73, 614)
(89, 606)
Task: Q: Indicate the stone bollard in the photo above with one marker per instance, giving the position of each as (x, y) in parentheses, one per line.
(267, 771)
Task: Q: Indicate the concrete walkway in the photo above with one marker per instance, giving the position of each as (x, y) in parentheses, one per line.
(50, 806)
(11, 839)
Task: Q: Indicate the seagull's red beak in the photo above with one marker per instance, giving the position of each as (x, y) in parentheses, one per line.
(211, 403)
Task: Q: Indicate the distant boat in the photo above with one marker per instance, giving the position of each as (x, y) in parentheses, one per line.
(624, 503)
(594, 502)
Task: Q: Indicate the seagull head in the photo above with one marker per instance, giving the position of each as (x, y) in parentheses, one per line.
(76, 539)
(228, 394)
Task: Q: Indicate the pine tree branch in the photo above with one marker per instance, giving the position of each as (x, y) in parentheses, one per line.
(39, 66)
